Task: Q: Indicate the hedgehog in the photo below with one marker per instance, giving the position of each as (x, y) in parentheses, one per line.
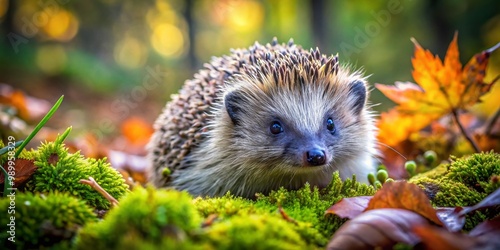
(261, 118)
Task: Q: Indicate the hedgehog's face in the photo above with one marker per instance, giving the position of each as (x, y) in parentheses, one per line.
(306, 127)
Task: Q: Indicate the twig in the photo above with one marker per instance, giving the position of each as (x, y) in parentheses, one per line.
(464, 133)
(92, 183)
(286, 217)
(210, 220)
(492, 122)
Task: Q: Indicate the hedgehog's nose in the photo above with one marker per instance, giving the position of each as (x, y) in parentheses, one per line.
(315, 157)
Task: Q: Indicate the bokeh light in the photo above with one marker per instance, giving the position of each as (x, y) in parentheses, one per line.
(51, 59)
(4, 6)
(62, 25)
(168, 40)
(130, 53)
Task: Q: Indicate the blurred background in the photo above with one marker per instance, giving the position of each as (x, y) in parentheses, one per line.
(118, 62)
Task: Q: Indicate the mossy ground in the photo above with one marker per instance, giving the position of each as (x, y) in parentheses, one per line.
(56, 211)
(464, 182)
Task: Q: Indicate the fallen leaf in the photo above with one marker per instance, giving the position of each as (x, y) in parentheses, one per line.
(379, 228)
(28, 108)
(483, 237)
(136, 130)
(404, 195)
(24, 169)
(448, 215)
(436, 238)
(487, 228)
(491, 200)
(349, 207)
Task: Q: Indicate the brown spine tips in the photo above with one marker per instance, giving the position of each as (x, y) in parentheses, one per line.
(290, 42)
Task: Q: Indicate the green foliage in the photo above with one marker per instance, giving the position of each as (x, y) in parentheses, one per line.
(60, 170)
(464, 182)
(42, 220)
(145, 218)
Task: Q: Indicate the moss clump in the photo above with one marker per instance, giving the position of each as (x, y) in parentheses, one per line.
(151, 219)
(50, 220)
(307, 206)
(464, 182)
(60, 170)
(145, 218)
(254, 232)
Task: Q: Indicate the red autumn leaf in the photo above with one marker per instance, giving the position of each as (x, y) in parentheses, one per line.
(442, 88)
(404, 195)
(379, 228)
(23, 170)
(395, 126)
(136, 130)
(349, 207)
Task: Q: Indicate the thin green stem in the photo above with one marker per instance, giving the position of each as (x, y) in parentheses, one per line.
(39, 126)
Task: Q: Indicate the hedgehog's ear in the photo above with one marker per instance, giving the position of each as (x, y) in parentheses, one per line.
(358, 91)
(232, 101)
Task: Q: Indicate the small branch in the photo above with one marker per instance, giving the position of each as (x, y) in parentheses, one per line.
(92, 183)
(464, 133)
(209, 220)
(491, 123)
(286, 217)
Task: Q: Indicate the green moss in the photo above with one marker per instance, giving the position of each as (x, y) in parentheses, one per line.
(144, 218)
(60, 170)
(50, 220)
(254, 232)
(151, 219)
(464, 182)
(307, 206)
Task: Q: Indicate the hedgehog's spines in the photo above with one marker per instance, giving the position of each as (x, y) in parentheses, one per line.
(274, 42)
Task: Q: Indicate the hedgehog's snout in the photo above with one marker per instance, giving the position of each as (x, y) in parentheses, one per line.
(314, 157)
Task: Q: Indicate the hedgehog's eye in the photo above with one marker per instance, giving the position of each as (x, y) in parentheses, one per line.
(276, 127)
(330, 125)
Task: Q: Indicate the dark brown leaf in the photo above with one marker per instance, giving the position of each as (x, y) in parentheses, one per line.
(349, 207)
(23, 171)
(380, 228)
(404, 195)
(439, 238)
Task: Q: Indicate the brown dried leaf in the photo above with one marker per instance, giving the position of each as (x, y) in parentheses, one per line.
(23, 171)
(490, 227)
(438, 238)
(380, 228)
(482, 237)
(349, 207)
(404, 195)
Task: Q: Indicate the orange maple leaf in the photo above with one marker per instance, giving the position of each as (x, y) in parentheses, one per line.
(442, 88)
